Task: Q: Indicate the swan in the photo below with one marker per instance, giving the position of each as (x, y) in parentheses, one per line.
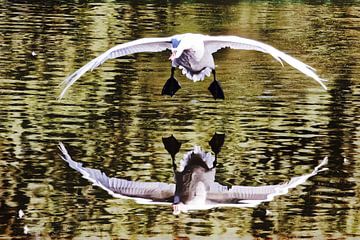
(192, 54)
(195, 187)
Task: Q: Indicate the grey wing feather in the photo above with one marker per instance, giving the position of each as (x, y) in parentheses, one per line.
(214, 43)
(246, 194)
(241, 193)
(140, 45)
(152, 191)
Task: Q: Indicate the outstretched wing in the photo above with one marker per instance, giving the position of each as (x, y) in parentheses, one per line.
(140, 45)
(214, 43)
(142, 192)
(254, 195)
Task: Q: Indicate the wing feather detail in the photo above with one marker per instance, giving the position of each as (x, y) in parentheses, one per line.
(214, 43)
(121, 188)
(140, 45)
(245, 194)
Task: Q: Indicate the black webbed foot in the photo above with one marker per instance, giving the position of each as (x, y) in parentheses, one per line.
(216, 90)
(171, 145)
(171, 87)
(216, 142)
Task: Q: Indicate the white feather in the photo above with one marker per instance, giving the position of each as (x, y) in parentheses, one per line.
(201, 45)
(207, 157)
(140, 45)
(214, 43)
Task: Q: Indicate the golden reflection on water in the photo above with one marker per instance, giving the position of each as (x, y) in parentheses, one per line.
(278, 122)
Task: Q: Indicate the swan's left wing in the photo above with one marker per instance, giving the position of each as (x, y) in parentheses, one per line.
(219, 194)
(214, 43)
(142, 192)
(136, 46)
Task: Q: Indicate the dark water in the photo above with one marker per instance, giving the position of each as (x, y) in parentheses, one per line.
(278, 122)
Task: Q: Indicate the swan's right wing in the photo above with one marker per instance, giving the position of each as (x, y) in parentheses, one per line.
(140, 45)
(142, 192)
(214, 43)
(254, 195)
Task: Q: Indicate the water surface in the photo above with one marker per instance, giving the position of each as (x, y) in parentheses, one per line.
(278, 122)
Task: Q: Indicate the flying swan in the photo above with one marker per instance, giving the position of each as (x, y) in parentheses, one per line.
(192, 54)
(195, 187)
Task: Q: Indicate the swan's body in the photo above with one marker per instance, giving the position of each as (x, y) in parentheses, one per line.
(192, 54)
(195, 187)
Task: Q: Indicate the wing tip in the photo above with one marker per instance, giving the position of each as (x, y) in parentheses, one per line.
(321, 82)
(64, 153)
(321, 164)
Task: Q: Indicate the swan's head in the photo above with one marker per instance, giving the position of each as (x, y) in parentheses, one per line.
(187, 43)
(179, 208)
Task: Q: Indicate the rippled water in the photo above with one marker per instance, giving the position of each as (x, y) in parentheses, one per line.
(278, 122)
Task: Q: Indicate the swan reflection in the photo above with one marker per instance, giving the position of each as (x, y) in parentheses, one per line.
(195, 187)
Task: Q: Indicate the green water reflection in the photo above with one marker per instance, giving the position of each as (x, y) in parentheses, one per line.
(278, 122)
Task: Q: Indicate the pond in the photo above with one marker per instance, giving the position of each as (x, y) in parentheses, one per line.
(278, 123)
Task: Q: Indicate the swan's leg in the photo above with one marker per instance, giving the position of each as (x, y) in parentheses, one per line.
(173, 147)
(215, 88)
(171, 86)
(216, 142)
